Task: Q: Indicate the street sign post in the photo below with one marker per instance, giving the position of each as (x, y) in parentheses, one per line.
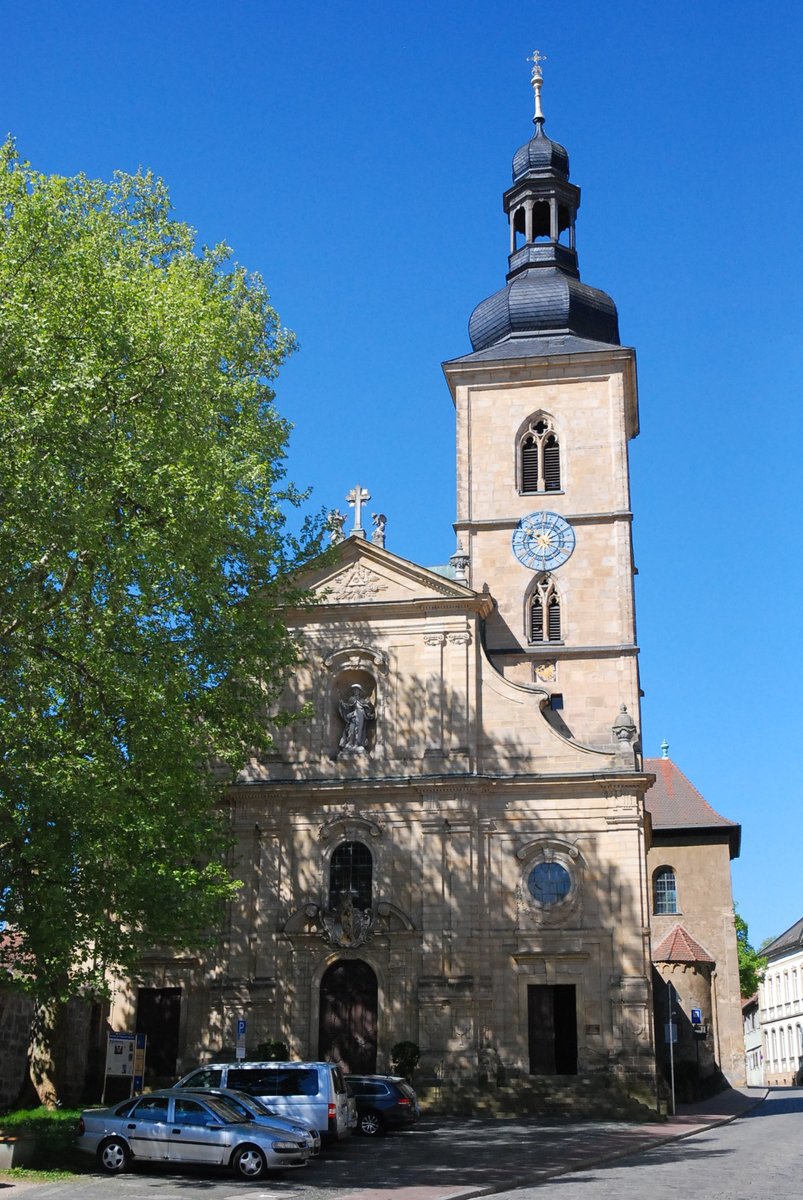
(671, 1037)
(242, 1028)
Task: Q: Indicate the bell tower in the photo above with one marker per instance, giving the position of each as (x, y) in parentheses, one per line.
(546, 404)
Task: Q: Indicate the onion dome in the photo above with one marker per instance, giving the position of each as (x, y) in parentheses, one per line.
(544, 295)
(540, 154)
(547, 298)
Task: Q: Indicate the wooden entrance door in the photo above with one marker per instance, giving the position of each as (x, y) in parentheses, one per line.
(347, 1026)
(552, 1028)
(159, 1016)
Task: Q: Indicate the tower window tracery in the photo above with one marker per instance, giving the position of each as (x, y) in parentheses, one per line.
(539, 452)
(545, 611)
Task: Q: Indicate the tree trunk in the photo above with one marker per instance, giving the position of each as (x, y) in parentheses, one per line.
(59, 1048)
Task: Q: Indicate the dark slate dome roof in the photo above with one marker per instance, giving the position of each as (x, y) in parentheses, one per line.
(540, 154)
(544, 300)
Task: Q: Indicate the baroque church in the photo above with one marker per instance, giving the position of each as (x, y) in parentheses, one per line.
(454, 850)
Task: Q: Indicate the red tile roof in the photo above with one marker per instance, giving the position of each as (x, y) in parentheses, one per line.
(674, 803)
(680, 947)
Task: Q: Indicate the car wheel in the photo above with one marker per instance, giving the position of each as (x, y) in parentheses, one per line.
(370, 1124)
(113, 1156)
(249, 1162)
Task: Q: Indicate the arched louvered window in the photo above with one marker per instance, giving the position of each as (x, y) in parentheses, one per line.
(539, 455)
(545, 612)
(664, 891)
(351, 874)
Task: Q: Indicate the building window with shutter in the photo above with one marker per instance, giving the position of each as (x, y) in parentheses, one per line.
(539, 457)
(664, 891)
(545, 623)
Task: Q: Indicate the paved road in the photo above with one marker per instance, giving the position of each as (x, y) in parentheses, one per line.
(758, 1155)
(454, 1160)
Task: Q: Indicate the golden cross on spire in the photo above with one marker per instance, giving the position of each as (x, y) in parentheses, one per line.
(536, 78)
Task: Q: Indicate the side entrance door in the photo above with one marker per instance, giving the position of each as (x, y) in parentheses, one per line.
(159, 1016)
(347, 1024)
(552, 1028)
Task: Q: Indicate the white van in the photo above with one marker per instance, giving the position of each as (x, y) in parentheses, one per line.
(312, 1092)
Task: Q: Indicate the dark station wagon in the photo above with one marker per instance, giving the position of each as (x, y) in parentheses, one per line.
(383, 1102)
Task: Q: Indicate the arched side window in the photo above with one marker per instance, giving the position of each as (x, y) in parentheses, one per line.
(545, 625)
(539, 457)
(351, 874)
(664, 891)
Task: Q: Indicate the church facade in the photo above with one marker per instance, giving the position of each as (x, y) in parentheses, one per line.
(452, 850)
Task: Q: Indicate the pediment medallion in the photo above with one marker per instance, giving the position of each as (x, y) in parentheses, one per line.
(355, 584)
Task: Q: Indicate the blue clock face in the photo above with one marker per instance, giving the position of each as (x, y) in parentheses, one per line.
(543, 541)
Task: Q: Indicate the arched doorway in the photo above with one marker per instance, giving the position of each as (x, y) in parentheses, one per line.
(347, 1025)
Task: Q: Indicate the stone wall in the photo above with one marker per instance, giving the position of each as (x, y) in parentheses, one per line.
(16, 1011)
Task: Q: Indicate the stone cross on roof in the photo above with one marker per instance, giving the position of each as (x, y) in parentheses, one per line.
(356, 498)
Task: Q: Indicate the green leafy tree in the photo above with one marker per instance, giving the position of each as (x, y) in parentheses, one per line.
(144, 566)
(751, 963)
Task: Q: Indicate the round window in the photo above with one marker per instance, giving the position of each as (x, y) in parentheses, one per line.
(549, 883)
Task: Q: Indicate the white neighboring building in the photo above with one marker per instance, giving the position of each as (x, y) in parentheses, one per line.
(780, 999)
(753, 1042)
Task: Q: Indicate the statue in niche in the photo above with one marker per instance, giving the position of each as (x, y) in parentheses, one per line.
(357, 712)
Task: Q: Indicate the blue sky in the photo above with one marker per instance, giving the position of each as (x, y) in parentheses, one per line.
(355, 154)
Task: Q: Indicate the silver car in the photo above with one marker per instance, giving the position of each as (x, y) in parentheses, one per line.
(173, 1127)
(249, 1108)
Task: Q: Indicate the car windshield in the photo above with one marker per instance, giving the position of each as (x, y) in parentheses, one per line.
(228, 1113)
(253, 1102)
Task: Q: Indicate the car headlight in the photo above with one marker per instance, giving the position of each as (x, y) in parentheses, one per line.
(286, 1147)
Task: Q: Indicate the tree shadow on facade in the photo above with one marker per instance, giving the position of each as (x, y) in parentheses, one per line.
(456, 934)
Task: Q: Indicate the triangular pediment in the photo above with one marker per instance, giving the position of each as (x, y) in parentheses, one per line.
(359, 572)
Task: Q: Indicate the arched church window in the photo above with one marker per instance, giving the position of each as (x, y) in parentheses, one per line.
(545, 611)
(351, 875)
(665, 891)
(539, 455)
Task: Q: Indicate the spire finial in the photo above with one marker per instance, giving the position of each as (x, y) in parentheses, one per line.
(664, 749)
(536, 79)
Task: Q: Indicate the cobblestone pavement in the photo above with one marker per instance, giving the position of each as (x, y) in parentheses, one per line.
(754, 1157)
(438, 1160)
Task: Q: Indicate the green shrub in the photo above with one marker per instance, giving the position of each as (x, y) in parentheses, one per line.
(404, 1058)
(54, 1131)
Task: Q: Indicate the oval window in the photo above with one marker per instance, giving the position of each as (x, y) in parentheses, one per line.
(549, 883)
